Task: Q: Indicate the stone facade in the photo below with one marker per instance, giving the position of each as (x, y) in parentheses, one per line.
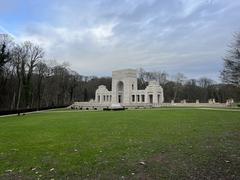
(125, 92)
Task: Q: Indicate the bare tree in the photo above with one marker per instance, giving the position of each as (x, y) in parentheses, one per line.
(179, 80)
(42, 72)
(205, 82)
(231, 71)
(34, 55)
(161, 77)
(206, 88)
(19, 60)
(144, 76)
(6, 44)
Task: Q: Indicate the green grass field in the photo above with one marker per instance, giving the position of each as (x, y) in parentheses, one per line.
(137, 144)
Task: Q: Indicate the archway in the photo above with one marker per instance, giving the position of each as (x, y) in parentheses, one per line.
(120, 92)
(150, 98)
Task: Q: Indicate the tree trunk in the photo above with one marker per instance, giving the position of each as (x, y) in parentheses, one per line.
(19, 93)
(39, 93)
(13, 101)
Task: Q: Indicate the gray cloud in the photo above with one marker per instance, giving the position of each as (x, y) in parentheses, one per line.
(175, 36)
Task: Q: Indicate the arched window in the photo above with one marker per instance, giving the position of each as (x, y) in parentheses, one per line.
(120, 92)
(120, 86)
(133, 98)
(138, 98)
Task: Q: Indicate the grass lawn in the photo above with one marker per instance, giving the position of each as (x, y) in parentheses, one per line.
(135, 144)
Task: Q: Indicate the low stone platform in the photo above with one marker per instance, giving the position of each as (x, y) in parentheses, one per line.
(194, 105)
(98, 106)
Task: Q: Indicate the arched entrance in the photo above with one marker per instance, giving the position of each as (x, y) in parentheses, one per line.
(150, 96)
(120, 92)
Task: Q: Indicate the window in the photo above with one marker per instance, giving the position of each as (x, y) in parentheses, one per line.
(138, 98)
(132, 86)
(98, 98)
(119, 99)
(104, 98)
(133, 98)
(143, 98)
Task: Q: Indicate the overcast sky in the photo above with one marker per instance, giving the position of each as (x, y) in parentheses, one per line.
(98, 36)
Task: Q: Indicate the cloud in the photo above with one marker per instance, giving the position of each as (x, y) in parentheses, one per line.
(103, 32)
(190, 6)
(4, 31)
(100, 35)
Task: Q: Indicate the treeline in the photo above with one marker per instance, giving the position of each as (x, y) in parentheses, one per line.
(178, 87)
(28, 80)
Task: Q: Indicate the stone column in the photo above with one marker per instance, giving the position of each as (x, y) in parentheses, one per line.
(101, 98)
(183, 101)
(155, 98)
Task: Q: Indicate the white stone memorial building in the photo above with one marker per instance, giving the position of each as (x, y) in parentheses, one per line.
(125, 93)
